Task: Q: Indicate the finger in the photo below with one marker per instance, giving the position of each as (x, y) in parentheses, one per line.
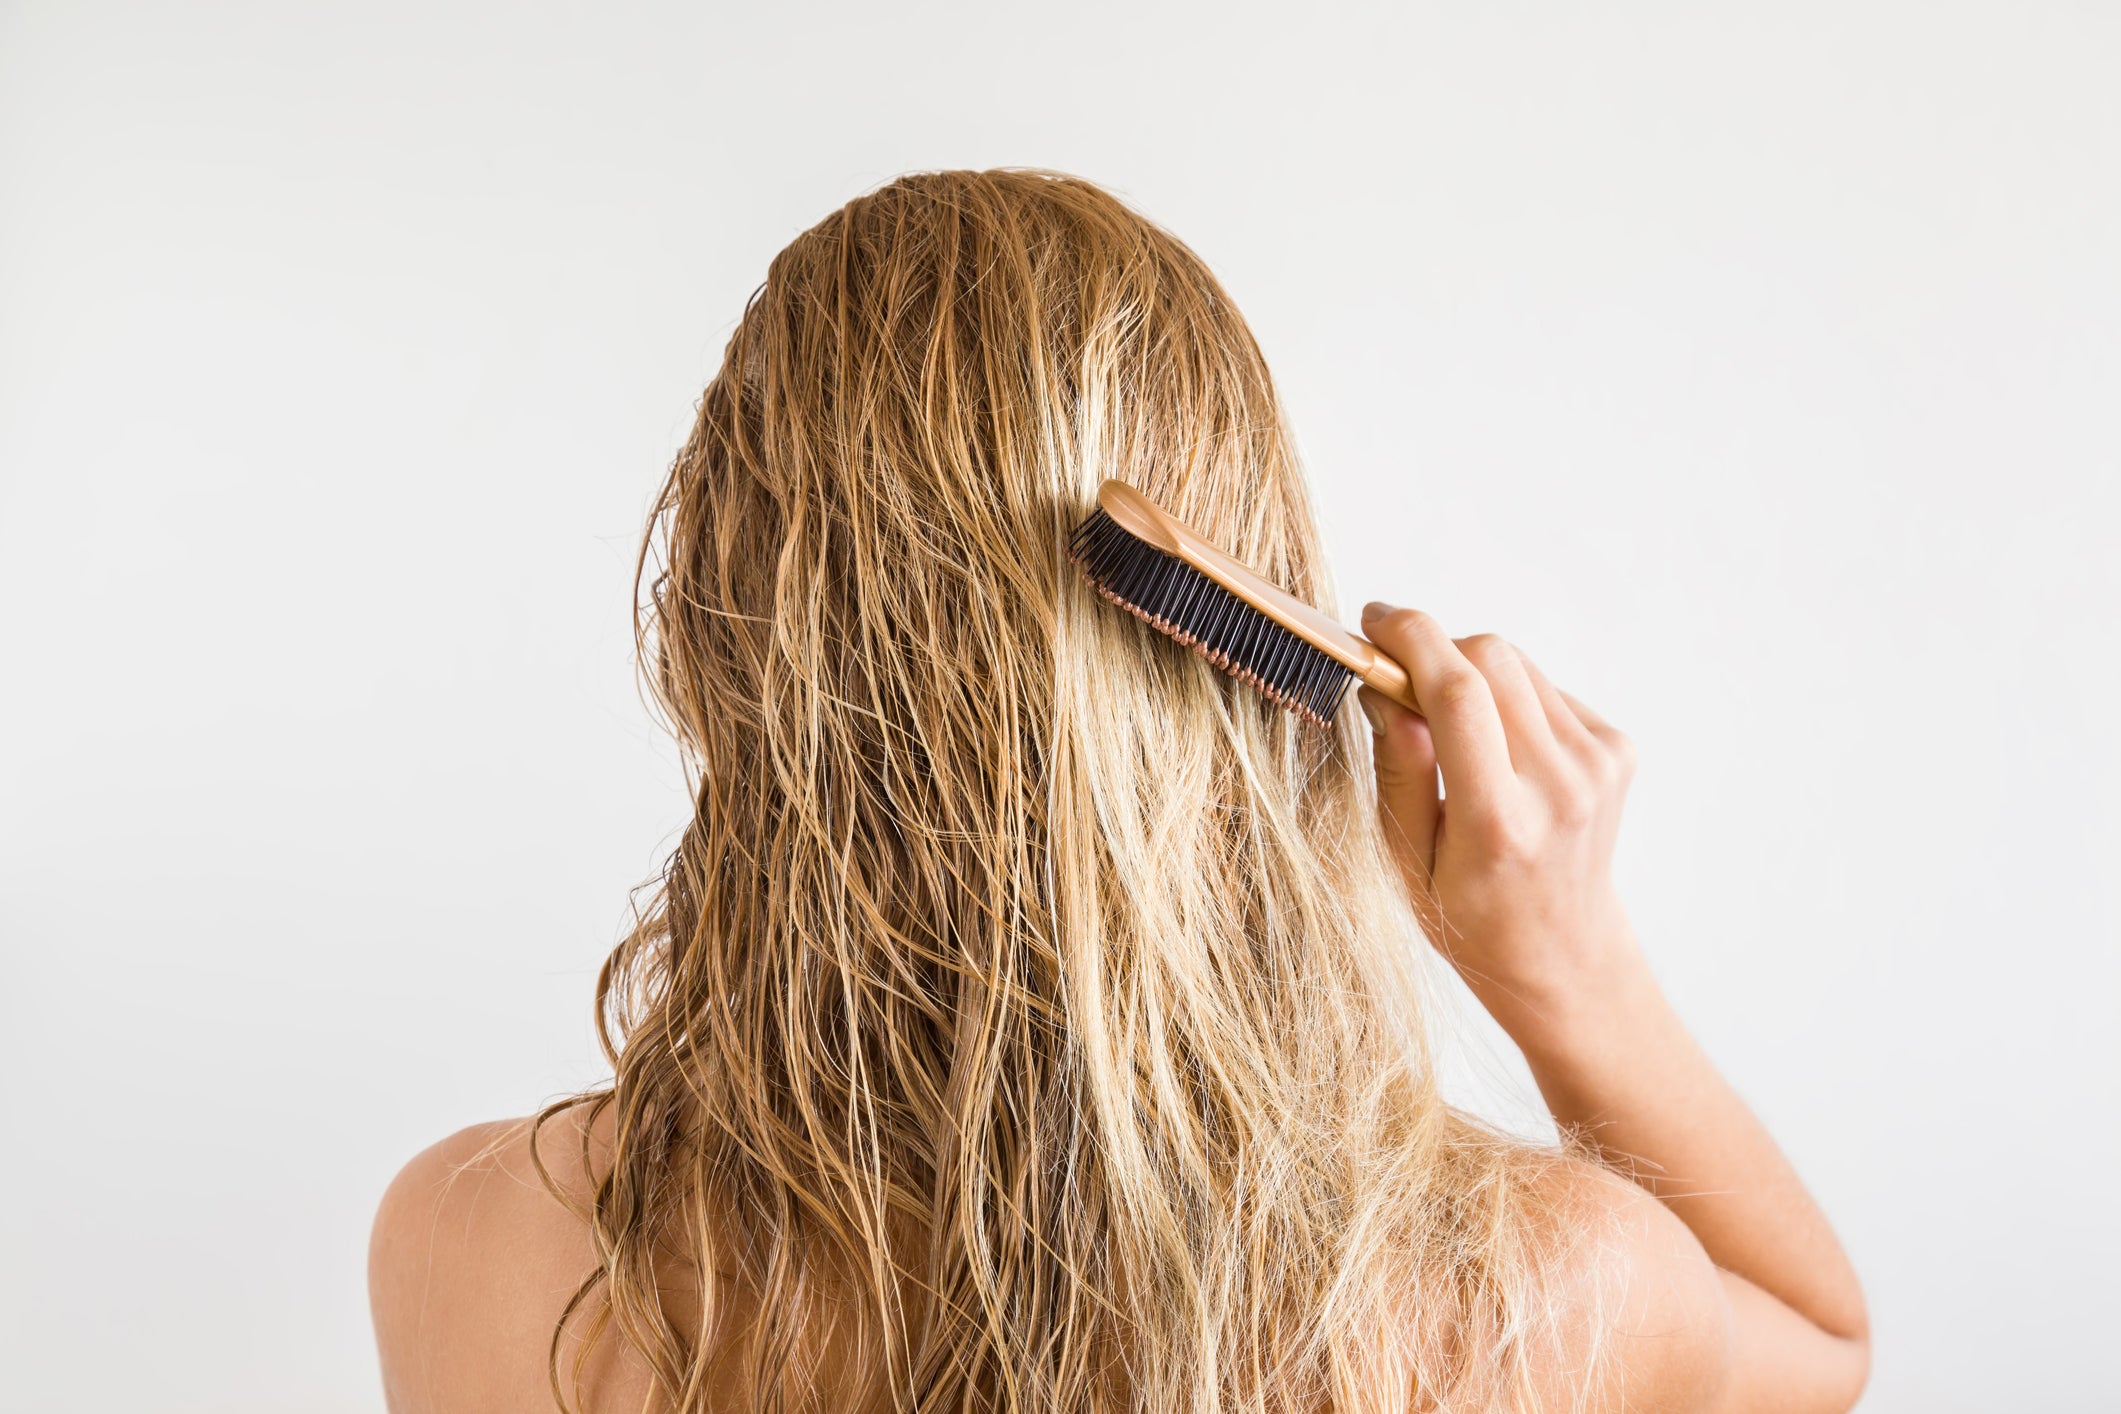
(1408, 802)
(1568, 728)
(1613, 743)
(1472, 750)
(1524, 717)
(1593, 723)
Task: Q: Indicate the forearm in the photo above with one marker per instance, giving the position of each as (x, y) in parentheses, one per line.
(1615, 1063)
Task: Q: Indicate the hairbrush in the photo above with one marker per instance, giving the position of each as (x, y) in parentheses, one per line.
(1165, 573)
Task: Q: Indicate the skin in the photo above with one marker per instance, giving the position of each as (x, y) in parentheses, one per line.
(469, 1266)
(1721, 1289)
(1502, 801)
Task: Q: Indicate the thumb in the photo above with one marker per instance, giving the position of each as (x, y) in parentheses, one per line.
(1408, 799)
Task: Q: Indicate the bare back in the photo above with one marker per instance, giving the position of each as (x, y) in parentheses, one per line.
(474, 1259)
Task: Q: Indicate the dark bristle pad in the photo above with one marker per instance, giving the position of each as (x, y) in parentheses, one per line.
(1181, 602)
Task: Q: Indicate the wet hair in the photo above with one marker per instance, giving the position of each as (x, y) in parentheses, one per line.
(1028, 1017)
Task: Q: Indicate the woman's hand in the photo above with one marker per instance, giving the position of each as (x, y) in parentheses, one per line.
(1510, 867)
(1509, 863)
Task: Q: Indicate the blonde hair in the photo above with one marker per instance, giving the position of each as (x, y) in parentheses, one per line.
(1026, 1019)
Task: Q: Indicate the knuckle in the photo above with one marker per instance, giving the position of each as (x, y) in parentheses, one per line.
(1510, 837)
(1487, 649)
(1459, 691)
(1395, 773)
(1407, 624)
(1620, 750)
(1574, 806)
(1492, 835)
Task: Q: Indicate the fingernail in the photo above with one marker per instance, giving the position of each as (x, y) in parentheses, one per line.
(1373, 711)
(1375, 609)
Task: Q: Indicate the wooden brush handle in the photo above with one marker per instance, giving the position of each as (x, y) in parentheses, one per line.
(1385, 674)
(1146, 521)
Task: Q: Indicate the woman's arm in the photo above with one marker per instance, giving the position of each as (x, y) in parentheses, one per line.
(1509, 864)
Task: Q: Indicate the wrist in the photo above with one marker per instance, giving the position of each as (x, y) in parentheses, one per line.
(1587, 997)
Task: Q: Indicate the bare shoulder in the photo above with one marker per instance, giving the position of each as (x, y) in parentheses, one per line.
(1643, 1319)
(473, 1258)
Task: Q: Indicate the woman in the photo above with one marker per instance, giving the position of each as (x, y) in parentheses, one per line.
(1029, 1018)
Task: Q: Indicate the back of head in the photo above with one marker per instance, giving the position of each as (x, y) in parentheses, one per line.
(1023, 1020)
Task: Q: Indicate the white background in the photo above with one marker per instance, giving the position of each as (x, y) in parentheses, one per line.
(1756, 368)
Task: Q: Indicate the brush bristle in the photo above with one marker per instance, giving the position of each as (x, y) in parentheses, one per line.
(1176, 599)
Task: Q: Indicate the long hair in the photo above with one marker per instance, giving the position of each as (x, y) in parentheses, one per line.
(1027, 1019)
